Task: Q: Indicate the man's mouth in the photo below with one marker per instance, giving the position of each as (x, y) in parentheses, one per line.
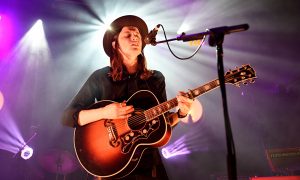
(135, 45)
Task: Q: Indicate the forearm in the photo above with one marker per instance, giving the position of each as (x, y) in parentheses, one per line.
(111, 111)
(89, 116)
(174, 118)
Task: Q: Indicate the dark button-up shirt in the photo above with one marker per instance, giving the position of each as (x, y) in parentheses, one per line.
(100, 86)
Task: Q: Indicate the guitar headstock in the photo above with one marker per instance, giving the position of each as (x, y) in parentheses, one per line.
(240, 75)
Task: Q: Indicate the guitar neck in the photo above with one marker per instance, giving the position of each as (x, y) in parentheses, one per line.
(168, 105)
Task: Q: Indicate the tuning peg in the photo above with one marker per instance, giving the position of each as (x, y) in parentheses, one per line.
(229, 72)
(245, 83)
(237, 85)
(252, 81)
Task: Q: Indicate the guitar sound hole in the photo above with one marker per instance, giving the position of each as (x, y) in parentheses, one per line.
(137, 120)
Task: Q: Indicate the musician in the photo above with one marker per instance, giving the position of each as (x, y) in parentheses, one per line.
(127, 74)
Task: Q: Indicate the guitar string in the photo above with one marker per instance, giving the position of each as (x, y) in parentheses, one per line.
(136, 120)
(151, 115)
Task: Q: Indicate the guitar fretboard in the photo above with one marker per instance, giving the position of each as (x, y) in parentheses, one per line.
(168, 105)
(236, 76)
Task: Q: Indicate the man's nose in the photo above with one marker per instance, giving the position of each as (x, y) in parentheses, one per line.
(133, 37)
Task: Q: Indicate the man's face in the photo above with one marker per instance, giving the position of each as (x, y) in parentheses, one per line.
(130, 41)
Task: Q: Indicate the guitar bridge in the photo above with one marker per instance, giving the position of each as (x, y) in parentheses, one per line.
(112, 133)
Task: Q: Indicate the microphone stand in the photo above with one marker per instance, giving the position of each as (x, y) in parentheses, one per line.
(216, 38)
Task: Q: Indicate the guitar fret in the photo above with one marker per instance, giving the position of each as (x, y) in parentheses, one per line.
(160, 109)
(205, 88)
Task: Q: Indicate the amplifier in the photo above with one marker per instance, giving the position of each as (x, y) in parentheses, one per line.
(285, 159)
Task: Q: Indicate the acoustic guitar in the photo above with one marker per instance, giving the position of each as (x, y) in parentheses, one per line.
(113, 147)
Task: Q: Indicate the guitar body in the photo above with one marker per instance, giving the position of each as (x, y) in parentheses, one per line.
(113, 148)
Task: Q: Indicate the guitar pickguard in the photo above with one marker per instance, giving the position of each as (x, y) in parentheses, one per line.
(133, 137)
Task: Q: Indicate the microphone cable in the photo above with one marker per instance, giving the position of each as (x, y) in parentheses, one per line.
(183, 58)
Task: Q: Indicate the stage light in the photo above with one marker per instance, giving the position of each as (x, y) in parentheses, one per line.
(35, 36)
(26, 152)
(165, 153)
(107, 27)
(183, 28)
(195, 113)
(1, 100)
(33, 49)
(31, 53)
(6, 35)
(168, 154)
(175, 149)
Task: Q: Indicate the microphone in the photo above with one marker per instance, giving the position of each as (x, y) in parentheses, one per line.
(150, 38)
(231, 29)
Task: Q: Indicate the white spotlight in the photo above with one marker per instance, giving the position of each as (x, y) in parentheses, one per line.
(26, 152)
(33, 47)
(196, 112)
(107, 27)
(183, 28)
(166, 154)
(36, 35)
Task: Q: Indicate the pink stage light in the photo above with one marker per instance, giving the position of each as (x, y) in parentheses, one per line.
(1, 100)
(6, 33)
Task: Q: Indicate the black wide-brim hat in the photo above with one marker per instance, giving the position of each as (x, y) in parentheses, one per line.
(117, 25)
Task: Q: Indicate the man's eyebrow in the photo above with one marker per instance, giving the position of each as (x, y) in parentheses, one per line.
(128, 31)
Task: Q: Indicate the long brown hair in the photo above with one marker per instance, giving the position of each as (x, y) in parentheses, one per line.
(117, 68)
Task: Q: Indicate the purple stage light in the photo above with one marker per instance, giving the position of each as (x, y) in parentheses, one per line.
(10, 137)
(27, 48)
(175, 149)
(26, 152)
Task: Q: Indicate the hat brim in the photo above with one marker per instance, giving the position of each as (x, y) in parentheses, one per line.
(116, 27)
